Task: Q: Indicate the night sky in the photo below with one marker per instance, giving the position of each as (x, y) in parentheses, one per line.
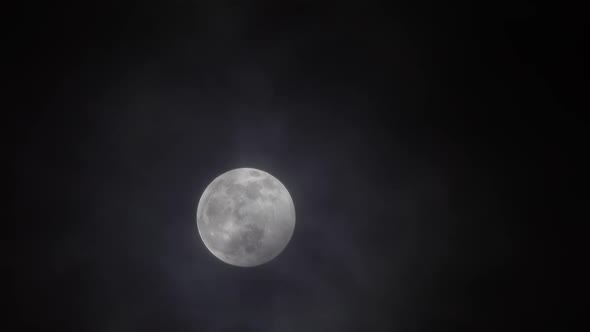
(417, 143)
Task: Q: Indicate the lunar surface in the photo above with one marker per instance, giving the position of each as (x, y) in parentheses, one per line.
(246, 217)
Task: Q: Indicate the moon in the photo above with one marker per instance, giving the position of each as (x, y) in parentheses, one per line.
(246, 217)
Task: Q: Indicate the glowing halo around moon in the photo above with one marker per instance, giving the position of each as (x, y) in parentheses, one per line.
(246, 217)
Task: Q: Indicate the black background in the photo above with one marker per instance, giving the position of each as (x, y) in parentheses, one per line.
(419, 143)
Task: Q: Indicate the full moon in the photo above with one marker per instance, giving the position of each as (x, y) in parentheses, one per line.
(246, 217)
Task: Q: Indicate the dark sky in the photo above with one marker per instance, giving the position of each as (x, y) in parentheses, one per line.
(417, 143)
